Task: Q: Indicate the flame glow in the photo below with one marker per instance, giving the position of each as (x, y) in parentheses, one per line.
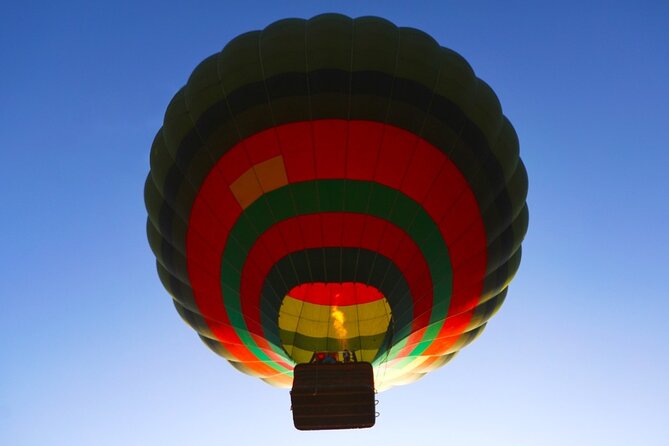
(338, 320)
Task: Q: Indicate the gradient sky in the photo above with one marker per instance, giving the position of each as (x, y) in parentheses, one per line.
(92, 351)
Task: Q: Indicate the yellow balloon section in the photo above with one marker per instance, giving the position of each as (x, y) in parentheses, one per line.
(332, 316)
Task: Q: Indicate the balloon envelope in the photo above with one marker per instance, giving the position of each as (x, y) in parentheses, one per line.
(336, 183)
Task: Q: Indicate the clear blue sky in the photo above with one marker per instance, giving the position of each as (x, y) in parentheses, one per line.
(92, 351)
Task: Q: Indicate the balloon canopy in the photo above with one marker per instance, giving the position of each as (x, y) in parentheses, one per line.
(331, 184)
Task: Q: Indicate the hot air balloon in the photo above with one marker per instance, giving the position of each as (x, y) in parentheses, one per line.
(336, 185)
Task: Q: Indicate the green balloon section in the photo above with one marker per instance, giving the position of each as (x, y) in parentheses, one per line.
(336, 183)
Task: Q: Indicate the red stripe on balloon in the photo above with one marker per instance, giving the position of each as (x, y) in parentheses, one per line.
(260, 260)
(335, 294)
(357, 150)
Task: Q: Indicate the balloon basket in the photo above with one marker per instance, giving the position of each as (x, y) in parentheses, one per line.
(333, 396)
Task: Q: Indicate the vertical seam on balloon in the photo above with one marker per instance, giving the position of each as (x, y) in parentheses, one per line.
(187, 178)
(347, 148)
(384, 126)
(311, 126)
(418, 202)
(245, 150)
(241, 141)
(385, 123)
(281, 148)
(311, 133)
(274, 125)
(413, 152)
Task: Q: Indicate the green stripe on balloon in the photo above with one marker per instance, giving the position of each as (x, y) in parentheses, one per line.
(334, 196)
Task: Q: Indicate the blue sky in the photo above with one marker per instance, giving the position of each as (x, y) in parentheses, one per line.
(92, 351)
